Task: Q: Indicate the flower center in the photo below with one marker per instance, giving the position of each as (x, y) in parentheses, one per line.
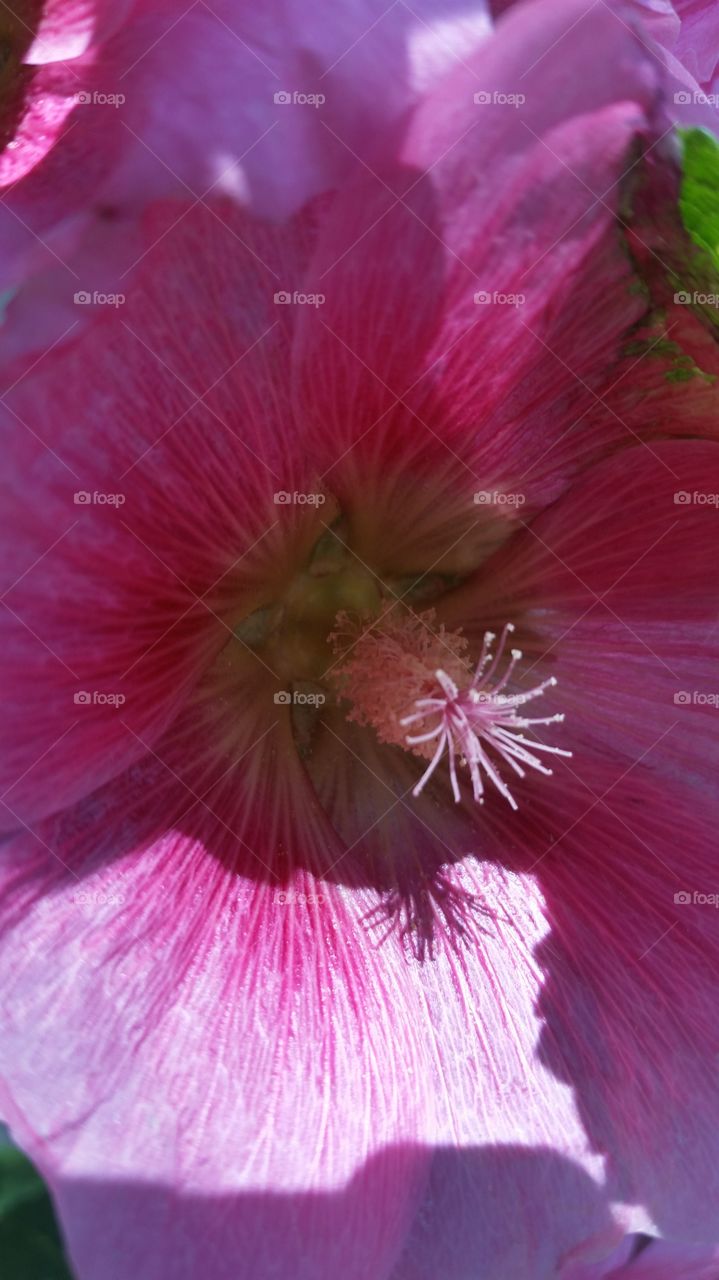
(338, 624)
(295, 635)
(403, 673)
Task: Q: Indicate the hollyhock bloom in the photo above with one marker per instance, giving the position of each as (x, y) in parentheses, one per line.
(281, 996)
(132, 101)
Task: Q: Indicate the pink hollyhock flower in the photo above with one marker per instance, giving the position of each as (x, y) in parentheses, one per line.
(281, 996)
(269, 104)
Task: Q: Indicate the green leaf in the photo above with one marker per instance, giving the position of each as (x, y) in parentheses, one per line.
(699, 196)
(30, 1245)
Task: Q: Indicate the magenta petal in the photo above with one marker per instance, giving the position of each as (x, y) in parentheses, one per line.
(614, 592)
(122, 571)
(629, 1003)
(492, 203)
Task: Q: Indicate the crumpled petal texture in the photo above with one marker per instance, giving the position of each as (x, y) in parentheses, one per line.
(128, 103)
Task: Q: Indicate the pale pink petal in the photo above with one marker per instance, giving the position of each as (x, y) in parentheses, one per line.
(169, 99)
(629, 1014)
(608, 877)
(698, 43)
(177, 918)
(68, 28)
(313, 1046)
(641, 1258)
(365, 60)
(684, 38)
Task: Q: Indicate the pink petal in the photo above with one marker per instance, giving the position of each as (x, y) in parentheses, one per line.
(629, 1004)
(177, 918)
(616, 980)
(698, 43)
(629, 1014)
(133, 596)
(685, 37)
(614, 591)
(516, 201)
(180, 951)
(358, 57)
(68, 28)
(142, 128)
(639, 1258)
